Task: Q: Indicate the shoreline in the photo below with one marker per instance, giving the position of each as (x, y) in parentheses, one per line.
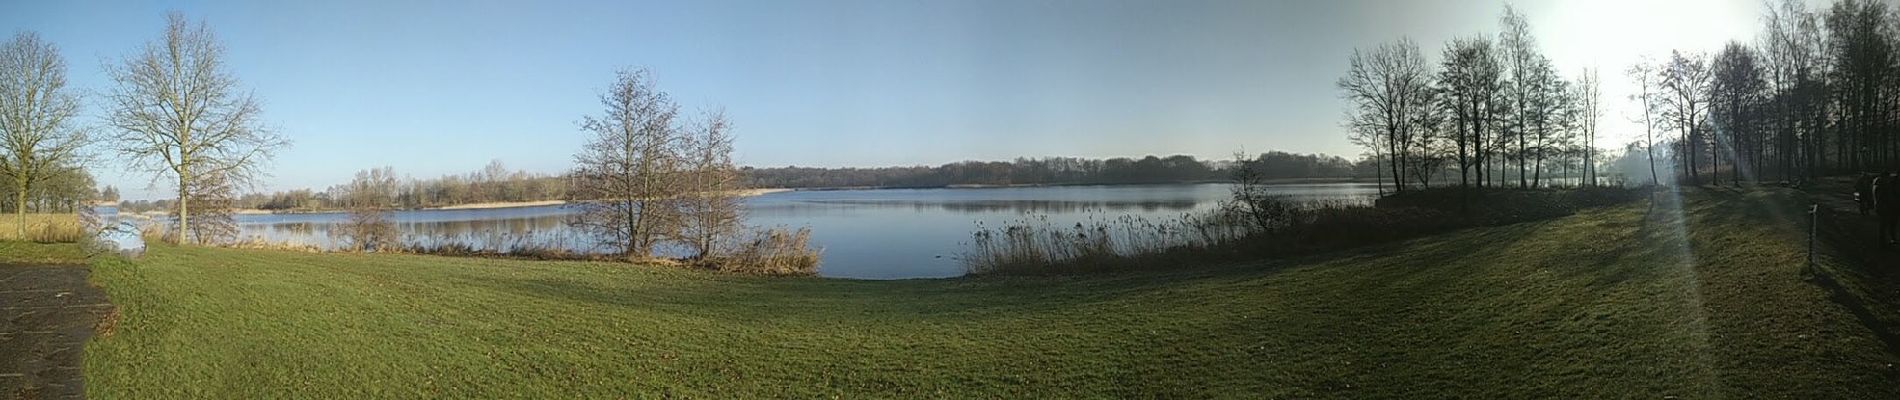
(765, 191)
(1282, 181)
(481, 206)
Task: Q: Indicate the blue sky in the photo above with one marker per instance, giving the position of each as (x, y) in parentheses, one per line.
(444, 87)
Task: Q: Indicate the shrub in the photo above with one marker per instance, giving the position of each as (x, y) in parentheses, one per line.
(773, 251)
(369, 229)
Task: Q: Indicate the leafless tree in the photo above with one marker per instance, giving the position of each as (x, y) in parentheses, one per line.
(1792, 46)
(1390, 88)
(1521, 61)
(627, 182)
(213, 195)
(1472, 80)
(1545, 100)
(1590, 109)
(178, 112)
(1644, 72)
(1685, 105)
(369, 196)
(710, 215)
(38, 139)
(1737, 88)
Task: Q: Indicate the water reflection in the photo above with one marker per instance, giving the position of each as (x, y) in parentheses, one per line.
(876, 234)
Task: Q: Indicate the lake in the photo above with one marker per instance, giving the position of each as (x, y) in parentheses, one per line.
(864, 234)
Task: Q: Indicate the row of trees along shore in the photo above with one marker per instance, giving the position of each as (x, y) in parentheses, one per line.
(648, 175)
(1817, 93)
(1064, 170)
(496, 183)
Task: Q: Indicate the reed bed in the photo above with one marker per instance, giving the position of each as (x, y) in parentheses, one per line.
(1260, 226)
(43, 228)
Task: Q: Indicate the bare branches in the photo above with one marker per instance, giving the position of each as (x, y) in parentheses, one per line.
(38, 139)
(1390, 89)
(369, 197)
(177, 112)
(711, 215)
(628, 180)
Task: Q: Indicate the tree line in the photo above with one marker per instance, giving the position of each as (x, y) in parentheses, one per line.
(493, 183)
(496, 183)
(1061, 170)
(1492, 110)
(1818, 93)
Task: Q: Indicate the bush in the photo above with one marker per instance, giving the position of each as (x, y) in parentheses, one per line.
(369, 229)
(773, 251)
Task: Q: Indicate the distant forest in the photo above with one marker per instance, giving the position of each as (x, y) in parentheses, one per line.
(1062, 170)
(496, 183)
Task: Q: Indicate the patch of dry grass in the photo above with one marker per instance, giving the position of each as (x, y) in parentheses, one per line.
(43, 228)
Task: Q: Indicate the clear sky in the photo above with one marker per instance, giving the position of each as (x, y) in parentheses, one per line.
(444, 87)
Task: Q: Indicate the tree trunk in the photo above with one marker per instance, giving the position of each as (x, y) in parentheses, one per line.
(19, 207)
(184, 210)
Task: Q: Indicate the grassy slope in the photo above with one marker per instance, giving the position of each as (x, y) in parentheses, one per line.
(1603, 304)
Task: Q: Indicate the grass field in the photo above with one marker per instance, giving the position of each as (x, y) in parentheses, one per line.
(1628, 301)
(41, 253)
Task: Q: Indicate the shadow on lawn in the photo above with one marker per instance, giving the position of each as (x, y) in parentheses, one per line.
(1858, 272)
(980, 296)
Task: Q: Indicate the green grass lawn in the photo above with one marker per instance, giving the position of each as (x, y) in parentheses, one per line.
(41, 253)
(1614, 302)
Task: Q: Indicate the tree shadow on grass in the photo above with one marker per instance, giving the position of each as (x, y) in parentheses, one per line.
(1858, 272)
(975, 297)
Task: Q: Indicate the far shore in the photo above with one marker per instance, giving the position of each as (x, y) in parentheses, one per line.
(823, 188)
(488, 205)
(1280, 181)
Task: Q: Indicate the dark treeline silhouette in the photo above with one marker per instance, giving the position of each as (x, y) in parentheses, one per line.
(1816, 94)
(1495, 110)
(1059, 170)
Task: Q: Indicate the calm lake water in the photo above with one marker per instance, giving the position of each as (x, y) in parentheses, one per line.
(866, 234)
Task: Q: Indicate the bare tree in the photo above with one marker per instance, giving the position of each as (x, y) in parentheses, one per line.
(1472, 80)
(1792, 48)
(1521, 59)
(710, 215)
(1737, 87)
(1590, 109)
(1644, 72)
(1390, 89)
(1684, 102)
(369, 197)
(1545, 101)
(179, 112)
(36, 112)
(627, 183)
(216, 222)
(1860, 59)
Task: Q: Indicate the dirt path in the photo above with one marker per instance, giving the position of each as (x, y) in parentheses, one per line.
(46, 314)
